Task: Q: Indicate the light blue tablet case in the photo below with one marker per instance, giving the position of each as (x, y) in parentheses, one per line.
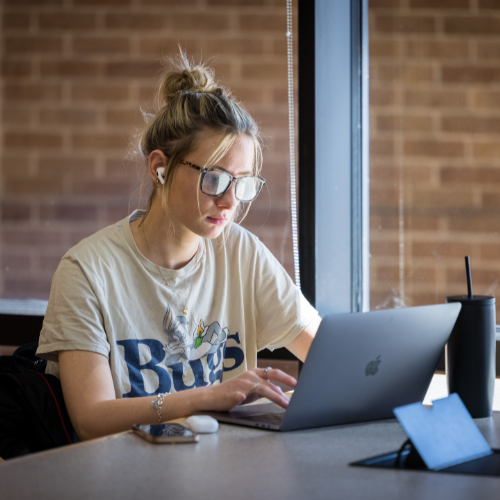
(444, 435)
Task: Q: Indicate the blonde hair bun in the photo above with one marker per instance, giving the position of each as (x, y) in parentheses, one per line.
(188, 79)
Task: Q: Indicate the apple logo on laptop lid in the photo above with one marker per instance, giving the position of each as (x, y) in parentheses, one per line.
(372, 366)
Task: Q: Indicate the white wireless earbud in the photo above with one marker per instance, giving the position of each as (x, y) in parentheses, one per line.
(159, 173)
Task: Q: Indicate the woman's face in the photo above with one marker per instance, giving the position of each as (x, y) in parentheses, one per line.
(208, 217)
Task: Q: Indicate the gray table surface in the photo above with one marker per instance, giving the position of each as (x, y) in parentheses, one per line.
(241, 463)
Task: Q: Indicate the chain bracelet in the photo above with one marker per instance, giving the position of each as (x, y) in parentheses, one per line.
(156, 404)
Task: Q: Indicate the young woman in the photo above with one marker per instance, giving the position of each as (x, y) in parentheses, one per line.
(176, 297)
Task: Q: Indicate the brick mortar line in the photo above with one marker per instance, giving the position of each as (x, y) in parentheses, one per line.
(103, 60)
(128, 105)
(261, 10)
(438, 13)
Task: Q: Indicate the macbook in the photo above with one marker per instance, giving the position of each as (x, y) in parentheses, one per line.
(360, 366)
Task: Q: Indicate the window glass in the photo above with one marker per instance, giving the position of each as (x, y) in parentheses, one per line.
(74, 82)
(434, 149)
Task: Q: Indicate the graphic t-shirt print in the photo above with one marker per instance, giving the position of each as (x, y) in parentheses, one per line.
(184, 359)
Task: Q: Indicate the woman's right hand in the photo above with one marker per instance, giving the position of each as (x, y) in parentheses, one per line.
(246, 388)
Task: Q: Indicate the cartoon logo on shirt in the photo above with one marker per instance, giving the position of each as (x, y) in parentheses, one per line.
(182, 359)
(199, 338)
(206, 340)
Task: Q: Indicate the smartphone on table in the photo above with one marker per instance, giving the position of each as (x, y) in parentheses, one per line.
(165, 433)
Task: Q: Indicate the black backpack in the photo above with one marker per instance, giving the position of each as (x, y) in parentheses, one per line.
(33, 415)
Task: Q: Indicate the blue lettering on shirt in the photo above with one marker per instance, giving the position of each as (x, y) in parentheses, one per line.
(170, 359)
(131, 348)
(235, 353)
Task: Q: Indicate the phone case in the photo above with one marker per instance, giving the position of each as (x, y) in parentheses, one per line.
(177, 439)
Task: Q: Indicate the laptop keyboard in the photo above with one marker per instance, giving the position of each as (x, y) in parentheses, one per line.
(268, 418)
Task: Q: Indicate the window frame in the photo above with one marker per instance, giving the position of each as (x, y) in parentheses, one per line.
(333, 157)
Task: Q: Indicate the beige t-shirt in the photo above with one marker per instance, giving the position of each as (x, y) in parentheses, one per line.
(206, 325)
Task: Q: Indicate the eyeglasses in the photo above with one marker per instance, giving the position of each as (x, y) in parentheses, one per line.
(216, 182)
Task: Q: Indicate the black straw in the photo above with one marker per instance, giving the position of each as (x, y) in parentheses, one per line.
(469, 279)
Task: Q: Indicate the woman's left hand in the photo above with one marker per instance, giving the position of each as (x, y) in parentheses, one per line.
(246, 388)
(267, 374)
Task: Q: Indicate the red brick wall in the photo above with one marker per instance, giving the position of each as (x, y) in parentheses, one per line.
(435, 149)
(74, 76)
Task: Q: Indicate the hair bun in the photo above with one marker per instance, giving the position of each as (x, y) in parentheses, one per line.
(198, 79)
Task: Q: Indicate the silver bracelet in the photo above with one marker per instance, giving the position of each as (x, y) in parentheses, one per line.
(156, 404)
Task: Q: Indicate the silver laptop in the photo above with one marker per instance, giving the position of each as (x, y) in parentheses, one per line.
(360, 366)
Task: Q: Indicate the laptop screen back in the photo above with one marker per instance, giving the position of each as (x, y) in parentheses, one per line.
(363, 365)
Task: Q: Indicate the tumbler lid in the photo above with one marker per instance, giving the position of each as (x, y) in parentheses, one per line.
(476, 300)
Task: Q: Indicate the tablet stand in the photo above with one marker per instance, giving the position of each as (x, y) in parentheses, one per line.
(444, 439)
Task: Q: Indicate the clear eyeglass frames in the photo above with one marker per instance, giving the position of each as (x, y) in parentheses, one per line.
(216, 182)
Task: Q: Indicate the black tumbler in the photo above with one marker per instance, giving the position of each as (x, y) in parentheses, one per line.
(471, 354)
